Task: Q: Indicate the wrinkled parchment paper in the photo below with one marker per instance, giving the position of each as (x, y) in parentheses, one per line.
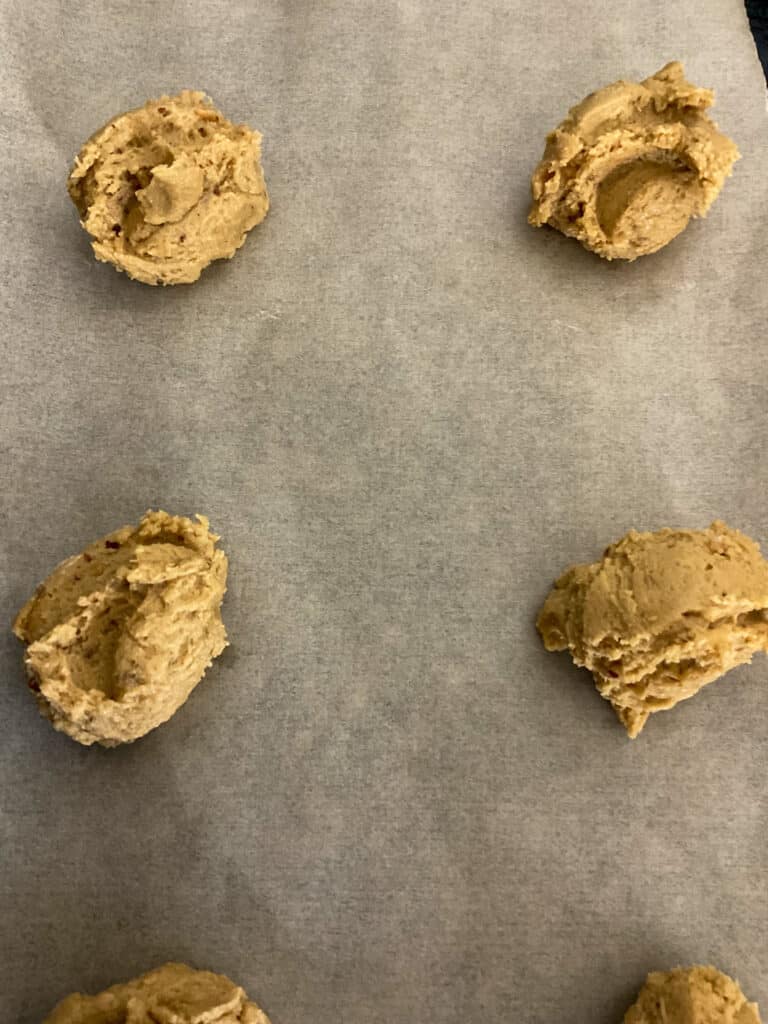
(406, 412)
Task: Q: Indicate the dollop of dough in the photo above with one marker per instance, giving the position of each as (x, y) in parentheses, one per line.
(171, 994)
(631, 164)
(691, 995)
(119, 635)
(169, 187)
(661, 615)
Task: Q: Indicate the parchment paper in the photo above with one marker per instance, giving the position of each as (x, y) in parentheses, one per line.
(406, 412)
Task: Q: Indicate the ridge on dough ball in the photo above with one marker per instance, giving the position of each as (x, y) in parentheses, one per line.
(661, 615)
(171, 994)
(167, 188)
(691, 995)
(119, 635)
(631, 165)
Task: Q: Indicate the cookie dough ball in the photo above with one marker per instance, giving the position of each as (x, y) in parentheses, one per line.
(172, 994)
(631, 164)
(169, 187)
(661, 615)
(691, 995)
(119, 635)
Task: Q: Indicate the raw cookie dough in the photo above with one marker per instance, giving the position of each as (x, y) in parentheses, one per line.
(172, 994)
(169, 187)
(631, 164)
(691, 995)
(121, 634)
(661, 615)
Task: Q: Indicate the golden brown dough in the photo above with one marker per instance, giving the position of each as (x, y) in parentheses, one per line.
(631, 164)
(691, 995)
(169, 187)
(119, 635)
(171, 994)
(661, 615)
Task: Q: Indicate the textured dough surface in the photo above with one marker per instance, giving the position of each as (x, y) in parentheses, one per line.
(119, 635)
(169, 187)
(171, 994)
(691, 995)
(661, 615)
(631, 164)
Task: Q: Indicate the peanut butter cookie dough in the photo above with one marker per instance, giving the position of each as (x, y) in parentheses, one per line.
(172, 994)
(631, 164)
(661, 615)
(169, 187)
(691, 995)
(119, 635)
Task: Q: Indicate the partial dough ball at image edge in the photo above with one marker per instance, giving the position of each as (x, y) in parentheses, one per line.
(691, 995)
(661, 615)
(118, 636)
(167, 188)
(174, 993)
(631, 164)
